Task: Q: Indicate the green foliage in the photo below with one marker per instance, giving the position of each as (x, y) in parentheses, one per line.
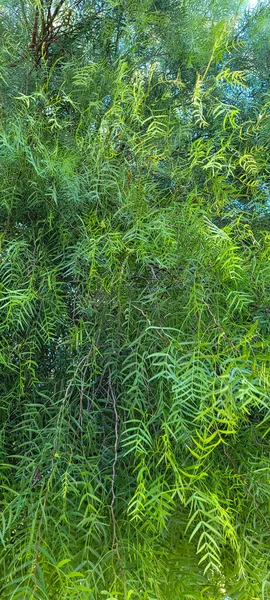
(134, 301)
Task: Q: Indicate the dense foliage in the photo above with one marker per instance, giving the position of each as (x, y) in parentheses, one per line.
(134, 305)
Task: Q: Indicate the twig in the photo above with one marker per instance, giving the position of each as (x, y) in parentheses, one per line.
(163, 337)
(219, 325)
(77, 3)
(62, 406)
(57, 9)
(82, 395)
(115, 542)
(154, 275)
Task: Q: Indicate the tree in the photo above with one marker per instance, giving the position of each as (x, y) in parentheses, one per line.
(134, 300)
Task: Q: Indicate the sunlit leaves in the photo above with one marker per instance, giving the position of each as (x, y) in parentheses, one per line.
(134, 303)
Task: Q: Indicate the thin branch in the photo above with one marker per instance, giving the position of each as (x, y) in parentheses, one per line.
(163, 337)
(217, 324)
(77, 3)
(57, 9)
(115, 542)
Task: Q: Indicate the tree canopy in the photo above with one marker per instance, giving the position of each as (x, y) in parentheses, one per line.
(134, 300)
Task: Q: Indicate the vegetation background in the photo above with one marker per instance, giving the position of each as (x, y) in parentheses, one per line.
(134, 300)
